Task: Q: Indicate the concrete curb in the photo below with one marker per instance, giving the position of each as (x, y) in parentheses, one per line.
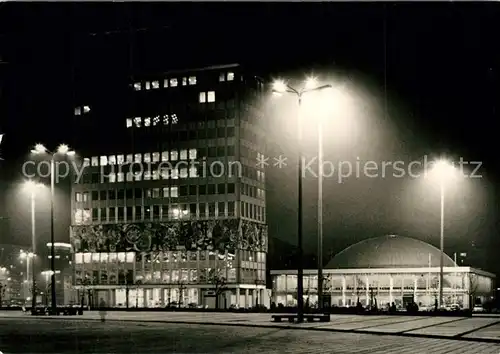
(250, 325)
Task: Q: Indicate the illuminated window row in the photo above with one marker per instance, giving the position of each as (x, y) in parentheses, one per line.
(252, 191)
(166, 119)
(207, 97)
(81, 110)
(227, 76)
(166, 257)
(163, 192)
(156, 212)
(147, 157)
(252, 211)
(155, 175)
(166, 83)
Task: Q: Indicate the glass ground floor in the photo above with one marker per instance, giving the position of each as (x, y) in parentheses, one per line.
(204, 296)
(463, 286)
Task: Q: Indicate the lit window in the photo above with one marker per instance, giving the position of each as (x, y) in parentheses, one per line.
(130, 176)
(166, 119)
(211, 96)
(222, 77)
(165, 172)
(120, 177)
(164, 156)
(103, 161)
(147, 157)
(95, 161)
(137, 122)
(165, 83)
(156, 175)
(138, 158)
(137, 86)
(86, 162)
(193, 172)
(86, 109)
(120, 159)
(156, 120)
(203, 97)
(184, 81)
(192, 80)
(174, 155)
(174, 174)
(147, 122)
(155, 84)
(183, 172)
(130, 257)
(174, 119)
(138, 176)
(147, 175)
(156, 156)
(112, 177)
(165, 192)
(156, 193)
(147, 85)
(183, 155)
(78, 258)
(230, 76)
(173, 82)
(78, 111)
(112, 160)
(121, 257)
(174, 192)
(78, 216)
(129, 123)
(130, 158)
(192, 154)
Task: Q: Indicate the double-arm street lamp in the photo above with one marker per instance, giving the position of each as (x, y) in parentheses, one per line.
(281, 87)
(63, 150)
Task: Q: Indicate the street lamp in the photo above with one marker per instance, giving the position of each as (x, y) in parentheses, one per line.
(28, 257)
(32, 188)
(443, 171)
(280, 87)
(63, 149)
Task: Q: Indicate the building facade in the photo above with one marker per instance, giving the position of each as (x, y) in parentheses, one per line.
(386, 270)
(173, 209)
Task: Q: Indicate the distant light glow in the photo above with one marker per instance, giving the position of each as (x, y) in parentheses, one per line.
(32, 186)
(63, 149)
(443, 170)
(279, 86)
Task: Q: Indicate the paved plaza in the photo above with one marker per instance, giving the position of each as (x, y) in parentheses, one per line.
(84, 335)
(465, 328)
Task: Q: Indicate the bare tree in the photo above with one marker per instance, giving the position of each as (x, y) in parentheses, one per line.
(86, 282)
(215, 277)
(472, 288)
(181, 286)
(2, 293)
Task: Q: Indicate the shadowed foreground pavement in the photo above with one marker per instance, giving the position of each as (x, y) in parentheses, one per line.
(30, 335)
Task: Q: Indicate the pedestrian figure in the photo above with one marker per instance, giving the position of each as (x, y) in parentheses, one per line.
(102, 310)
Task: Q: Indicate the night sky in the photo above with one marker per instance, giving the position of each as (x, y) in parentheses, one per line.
(428, 74)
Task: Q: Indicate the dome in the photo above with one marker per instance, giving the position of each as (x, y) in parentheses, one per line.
(389, 251)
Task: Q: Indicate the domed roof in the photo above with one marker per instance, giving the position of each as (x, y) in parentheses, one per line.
(389, 251)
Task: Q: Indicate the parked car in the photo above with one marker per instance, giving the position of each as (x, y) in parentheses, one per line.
(478, 308)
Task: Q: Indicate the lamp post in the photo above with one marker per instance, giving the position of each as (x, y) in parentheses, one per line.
(28, 257)
(32, 188)
(280, 87)
(443, 170)
(63, 149)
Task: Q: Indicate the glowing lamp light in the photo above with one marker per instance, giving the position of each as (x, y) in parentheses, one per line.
(279, 86)
(39, 149)
(311, 83)
(443, 169)
(31, 186)
(63, 149)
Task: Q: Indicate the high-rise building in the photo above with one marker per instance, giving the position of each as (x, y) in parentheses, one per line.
(168, 203)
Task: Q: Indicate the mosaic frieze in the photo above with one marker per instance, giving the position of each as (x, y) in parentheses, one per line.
(214, 235)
